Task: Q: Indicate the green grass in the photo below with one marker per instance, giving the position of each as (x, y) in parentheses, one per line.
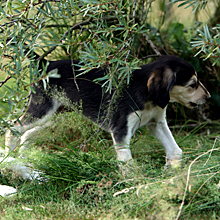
(90, 186)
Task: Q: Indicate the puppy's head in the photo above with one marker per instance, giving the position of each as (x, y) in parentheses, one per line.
(174, 80)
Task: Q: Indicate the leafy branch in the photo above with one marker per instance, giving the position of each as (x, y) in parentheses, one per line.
(208, 44)
(196, 4)
(4, 81)
(100, 33)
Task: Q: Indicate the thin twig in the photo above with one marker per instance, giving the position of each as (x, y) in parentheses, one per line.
(201, 188)
(121, 49)
(8, 56)
(187, 125)
(149, 56)
(187, 180)
(142, 11)
(211, 151)
(58, 26)
(73, 69)
(4, 81)
(43, 2)
(107, 116)
(72, 64)
(77, 26)
(151, 44)
(26, 103)
(132, 39)
(65, 34)
(147, 11)
(109, 107)
(39, 11)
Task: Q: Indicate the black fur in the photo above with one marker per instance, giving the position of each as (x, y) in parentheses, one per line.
(95, 100)
(142, 102)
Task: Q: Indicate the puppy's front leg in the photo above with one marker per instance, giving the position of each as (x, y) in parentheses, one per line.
(122, 148)
(123, 152)
(163, 134)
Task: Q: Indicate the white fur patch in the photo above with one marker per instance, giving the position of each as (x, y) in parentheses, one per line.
(7, 191)
(155, 119)
(27, 131)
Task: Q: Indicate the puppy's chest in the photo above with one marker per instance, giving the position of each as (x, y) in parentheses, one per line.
(142, 117)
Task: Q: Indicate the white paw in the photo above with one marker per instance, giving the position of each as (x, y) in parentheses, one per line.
(173, 159)
(6, 191)
(30, 174)
(126, 168)
(21, 169)
(175, 162)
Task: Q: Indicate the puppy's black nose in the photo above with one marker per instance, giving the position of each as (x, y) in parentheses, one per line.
(208, 97)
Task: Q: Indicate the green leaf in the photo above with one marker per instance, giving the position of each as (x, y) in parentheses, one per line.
(206, 33)
(53, 74)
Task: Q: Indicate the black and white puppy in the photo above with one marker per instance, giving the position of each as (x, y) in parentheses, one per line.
(142, 102)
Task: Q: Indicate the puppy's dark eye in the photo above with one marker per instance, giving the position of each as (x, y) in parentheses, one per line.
(193, 85)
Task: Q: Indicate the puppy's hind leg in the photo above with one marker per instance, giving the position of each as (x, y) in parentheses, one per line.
(28, 131)
(29, 134)
(17, 165)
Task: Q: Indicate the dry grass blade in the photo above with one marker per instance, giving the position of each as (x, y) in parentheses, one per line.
(187, 181)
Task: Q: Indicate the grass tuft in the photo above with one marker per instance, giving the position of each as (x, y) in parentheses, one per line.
(87, 184)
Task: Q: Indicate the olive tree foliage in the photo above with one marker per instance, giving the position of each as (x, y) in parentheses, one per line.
(207, 41)
(207, 44)
(98, 32)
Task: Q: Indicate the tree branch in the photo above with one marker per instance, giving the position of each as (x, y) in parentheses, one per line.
(149, 56)
(151, 44)
(107, 116)
(4, 81)
(77, 26)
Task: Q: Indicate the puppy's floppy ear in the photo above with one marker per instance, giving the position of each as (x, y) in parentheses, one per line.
(159, 85)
